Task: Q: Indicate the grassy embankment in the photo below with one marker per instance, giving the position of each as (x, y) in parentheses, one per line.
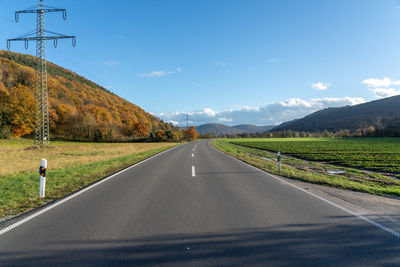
(261, 153)
(71, 166)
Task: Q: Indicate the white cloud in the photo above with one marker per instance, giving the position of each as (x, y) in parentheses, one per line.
(219, 63)
(173, 122)
(295, 102)
(385, 82)
(270, 114)
(158, 73)
(382, 87)
(223, 119)
(320, 86)
(209, 112)
(385, 92)
(111, 63)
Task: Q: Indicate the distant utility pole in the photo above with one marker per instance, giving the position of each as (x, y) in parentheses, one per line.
(41, 93)
(187, 122)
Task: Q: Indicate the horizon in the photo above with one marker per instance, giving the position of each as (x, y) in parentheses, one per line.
(227, 62)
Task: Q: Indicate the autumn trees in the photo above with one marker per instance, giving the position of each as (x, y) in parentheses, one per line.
(16, 111)
(190, 134)
(78, 108)
(140, 129)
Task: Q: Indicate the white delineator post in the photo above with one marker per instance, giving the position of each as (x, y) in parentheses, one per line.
(42, 172)
(278, 159)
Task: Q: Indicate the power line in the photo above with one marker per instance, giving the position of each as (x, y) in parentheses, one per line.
(42, 131)
(13, 22)
(83, 70)
(100, 55)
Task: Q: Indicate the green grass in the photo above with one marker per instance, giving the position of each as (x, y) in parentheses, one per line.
(19, 192)
(309, 171)
(375, 154)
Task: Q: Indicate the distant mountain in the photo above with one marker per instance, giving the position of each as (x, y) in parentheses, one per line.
(250, 128)
(221, 129)
(217, 129)
(378, 115)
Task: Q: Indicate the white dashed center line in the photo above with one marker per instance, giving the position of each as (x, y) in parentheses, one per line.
(193, 172)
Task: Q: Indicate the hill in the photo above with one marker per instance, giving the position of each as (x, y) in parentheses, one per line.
(79, 109)
(250, 128)
(381, 117)
(221, 129)
(217, 129)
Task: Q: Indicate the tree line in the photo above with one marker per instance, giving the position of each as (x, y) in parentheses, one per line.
(387, 130)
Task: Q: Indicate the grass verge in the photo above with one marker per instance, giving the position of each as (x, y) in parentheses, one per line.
(313, 172)
(19, 155)
(19, 192)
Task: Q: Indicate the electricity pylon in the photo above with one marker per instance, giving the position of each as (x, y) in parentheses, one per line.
(187, 121)
(42, 130)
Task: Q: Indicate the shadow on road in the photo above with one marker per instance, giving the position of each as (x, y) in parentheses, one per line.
(225, 172)
(305, 244)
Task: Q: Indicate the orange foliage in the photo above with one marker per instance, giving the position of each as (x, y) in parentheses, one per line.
(3, 88)
(64, 112)
(192, 133)
(160, 135)
(141, 129)
(78, 108)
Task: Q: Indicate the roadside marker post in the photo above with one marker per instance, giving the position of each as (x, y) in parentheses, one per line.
(278, 159)
(42, 182)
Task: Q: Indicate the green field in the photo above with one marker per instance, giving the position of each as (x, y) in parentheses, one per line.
(352, 163)
(375, 154)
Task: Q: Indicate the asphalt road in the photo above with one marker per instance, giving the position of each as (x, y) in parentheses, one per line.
(227, 214)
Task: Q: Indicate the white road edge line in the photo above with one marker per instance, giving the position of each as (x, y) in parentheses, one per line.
(378, 225)
(52, 206)
(193, 172)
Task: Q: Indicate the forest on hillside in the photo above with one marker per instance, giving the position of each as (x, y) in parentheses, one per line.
(79, 109)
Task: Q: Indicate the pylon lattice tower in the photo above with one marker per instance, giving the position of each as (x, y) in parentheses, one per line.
(42, 127)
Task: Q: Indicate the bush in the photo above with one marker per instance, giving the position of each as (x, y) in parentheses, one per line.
(5, 132)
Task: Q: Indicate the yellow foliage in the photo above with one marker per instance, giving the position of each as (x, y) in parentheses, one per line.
(3, 88)
(70, 101)
(21, 103)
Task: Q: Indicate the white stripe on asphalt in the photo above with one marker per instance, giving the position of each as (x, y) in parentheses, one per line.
(192, 155)
(50, 207)
(378, 225)
(193, 172)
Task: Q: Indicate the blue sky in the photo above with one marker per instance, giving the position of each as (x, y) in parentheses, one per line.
(228, 61)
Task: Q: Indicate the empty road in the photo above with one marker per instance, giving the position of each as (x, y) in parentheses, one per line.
(195, 206)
